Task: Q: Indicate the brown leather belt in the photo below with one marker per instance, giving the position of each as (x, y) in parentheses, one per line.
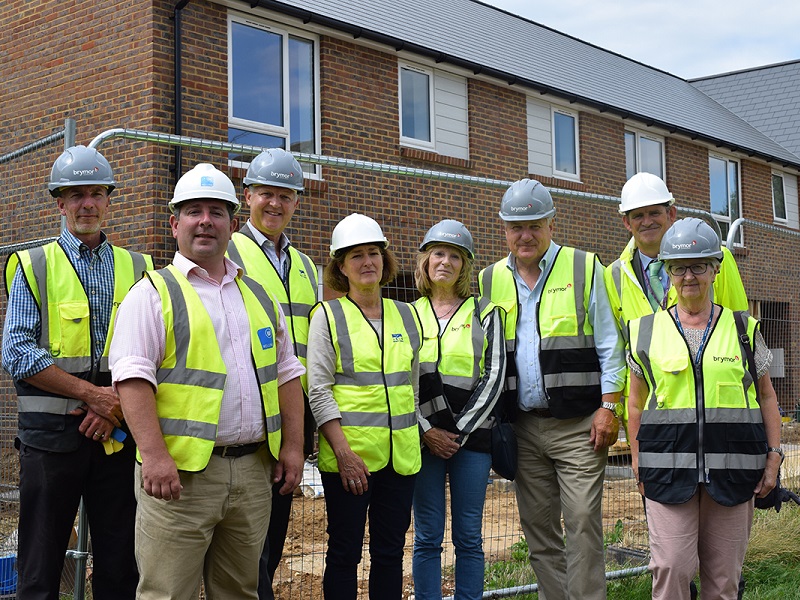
(237, 450)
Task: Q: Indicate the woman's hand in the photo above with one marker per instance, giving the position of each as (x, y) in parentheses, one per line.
(353, 471)
(770, 477)
(441, 442)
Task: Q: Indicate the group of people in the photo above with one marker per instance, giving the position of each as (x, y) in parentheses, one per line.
(203, 384)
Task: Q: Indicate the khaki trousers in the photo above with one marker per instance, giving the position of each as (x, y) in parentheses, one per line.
(698, 533)
(558, 472)
(215, 531)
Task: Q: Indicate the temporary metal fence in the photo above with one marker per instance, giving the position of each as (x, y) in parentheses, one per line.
(300, 573)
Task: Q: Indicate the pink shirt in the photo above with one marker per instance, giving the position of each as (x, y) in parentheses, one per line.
(137, 348)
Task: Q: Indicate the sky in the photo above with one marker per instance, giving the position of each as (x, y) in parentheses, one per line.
(688, 38)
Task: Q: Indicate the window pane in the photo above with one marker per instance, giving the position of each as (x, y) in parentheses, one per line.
(415, 91)
(250, 138)
(718, 185)
(566, 159)
(630, 154)
(257, 63)
(650, 152)
(301, 92)
(733, 190)
(778, 199)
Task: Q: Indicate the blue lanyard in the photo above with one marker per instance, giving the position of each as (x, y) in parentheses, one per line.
(705, 332)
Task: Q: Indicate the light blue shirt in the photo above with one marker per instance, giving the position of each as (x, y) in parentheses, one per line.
(608, 342)
(281, 263)
(662, 272)
(22, 355)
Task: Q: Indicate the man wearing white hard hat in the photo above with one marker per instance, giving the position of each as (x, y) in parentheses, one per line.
(210, 420)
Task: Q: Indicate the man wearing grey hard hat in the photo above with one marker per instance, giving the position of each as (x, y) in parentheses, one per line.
(261, 247)
(564, 376)
(62, 298)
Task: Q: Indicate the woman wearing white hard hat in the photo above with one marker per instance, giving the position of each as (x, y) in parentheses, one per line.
(462, 368)
(704, 423)
(363, 379)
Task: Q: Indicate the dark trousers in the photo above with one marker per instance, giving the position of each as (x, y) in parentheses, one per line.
(273, 545)
(50, 488)
(388, 502)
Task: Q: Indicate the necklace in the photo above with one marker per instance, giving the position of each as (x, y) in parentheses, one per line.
(449, 310)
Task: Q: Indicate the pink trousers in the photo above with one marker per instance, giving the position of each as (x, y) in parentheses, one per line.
(697, 534)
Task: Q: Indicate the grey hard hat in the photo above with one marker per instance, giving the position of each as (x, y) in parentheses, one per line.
(275, 167)
(80, 165)
(690, 238)
(526, 200)
(449, 232)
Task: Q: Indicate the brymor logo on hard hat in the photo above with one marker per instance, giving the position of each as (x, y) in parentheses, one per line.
(80, 172)
(684, 246)
(521, 208)
(450, 235)
(281, 175)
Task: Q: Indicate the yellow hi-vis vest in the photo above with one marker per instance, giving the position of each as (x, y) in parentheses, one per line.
(297, 297)
(192, 376)
(701, 423)
(569, 362)
(452, 364)
(629, 301)
(66, 333)
(373, 387)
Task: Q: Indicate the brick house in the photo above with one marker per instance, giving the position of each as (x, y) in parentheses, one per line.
(445, 85)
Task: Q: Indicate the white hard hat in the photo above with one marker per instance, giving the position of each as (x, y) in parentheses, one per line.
(205, 182)
(644, 189)
(354, 230)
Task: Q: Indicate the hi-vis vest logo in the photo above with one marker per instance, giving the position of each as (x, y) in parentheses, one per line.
(303, 274)
(266, 338)
(559, 289)
(397, 337)
(462, 326)
(726, 359)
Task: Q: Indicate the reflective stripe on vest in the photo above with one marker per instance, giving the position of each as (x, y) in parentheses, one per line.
(65, 323)
(373, 387)
(494, 285)
(193, 360)
(301, 287)
(698, 425)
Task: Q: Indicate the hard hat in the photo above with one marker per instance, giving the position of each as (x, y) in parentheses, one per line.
(449, 232)
(526, 200)
(80, 165)
(275, 167)
(690, 238)
(644, 189)
(354, 230)
(205, 182)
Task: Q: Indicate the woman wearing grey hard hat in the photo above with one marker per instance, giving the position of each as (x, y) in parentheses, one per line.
(462, 367)
(363, 380)
(704, 423)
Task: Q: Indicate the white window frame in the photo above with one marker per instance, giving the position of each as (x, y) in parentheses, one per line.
(409, 141)
(722, 218)
(554, 109)
(638, 135)
(784, 220)
(266, 128)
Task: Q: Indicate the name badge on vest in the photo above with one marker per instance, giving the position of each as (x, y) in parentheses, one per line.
(265, 337)
(397, 337)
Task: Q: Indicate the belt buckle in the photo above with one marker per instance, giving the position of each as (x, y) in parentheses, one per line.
(225, 450)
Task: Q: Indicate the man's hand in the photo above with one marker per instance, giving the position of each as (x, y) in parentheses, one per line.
(605, 429)
(160, 478)
(93, 425)
(441, 442)
(289, 469)
(105, 402)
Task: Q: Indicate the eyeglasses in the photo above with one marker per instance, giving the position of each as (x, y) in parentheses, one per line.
(680, 270)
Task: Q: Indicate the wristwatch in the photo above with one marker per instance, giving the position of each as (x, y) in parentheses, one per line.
(777, 451)
(614, 407)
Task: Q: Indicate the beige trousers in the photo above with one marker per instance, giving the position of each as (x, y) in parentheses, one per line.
(215, 531)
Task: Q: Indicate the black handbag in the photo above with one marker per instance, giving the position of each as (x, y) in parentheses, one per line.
(504, 448)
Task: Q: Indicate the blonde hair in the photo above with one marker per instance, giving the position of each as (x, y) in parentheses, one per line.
(423, 280)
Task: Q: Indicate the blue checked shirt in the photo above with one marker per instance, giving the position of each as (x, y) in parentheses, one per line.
(22, 355)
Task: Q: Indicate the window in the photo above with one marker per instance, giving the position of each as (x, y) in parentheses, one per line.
(778, 197)
(272, 87)
(643, 154)
(416, 106)
(565, 143)
(726, 201)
